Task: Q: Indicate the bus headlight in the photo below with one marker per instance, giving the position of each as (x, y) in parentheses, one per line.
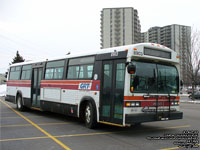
(132, 104)
(174, 103)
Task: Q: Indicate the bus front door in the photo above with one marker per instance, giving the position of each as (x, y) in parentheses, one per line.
(35, 86)
(112, 91)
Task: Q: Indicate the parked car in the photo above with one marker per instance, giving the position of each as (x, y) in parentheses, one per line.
(189, 91)
(196, 95)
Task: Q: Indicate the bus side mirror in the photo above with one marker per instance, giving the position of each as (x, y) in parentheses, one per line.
(131, 69)
(181, 83)
(6, 75)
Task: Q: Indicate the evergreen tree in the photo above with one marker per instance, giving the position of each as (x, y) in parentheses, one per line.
(18, 58)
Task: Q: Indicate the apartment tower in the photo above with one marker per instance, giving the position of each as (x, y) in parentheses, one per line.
(119, 26)
(176, 37)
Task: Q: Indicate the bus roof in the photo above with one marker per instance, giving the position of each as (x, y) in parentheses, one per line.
(101, 51)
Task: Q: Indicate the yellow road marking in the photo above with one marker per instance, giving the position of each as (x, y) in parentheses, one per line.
(20, 117)
(43, 124)
(171, 148)
(29, 138)
(40, 124)
(15, 125)
(89, 134)
(175, 148)
(7, 112)
(59, 136)
(35, 125)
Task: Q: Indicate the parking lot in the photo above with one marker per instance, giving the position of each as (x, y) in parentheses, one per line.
(33, 130)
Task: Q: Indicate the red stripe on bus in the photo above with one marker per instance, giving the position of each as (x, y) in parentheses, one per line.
(19, 85)
(150, 98)
(69, 85)
(20, 81)
(154, 103)
(64, 82)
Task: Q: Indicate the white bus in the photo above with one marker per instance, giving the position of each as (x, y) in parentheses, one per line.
(119, 86)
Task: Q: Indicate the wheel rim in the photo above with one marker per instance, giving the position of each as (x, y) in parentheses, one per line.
(87, 114)
(19, 102)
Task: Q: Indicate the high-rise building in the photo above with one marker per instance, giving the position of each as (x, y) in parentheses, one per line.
(119, 26)
(144, 37)
(176, 37)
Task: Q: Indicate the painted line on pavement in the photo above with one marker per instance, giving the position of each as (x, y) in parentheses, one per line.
(35, 125)
(40, 124)
(175, 148)
(19, 117)
(90, 134)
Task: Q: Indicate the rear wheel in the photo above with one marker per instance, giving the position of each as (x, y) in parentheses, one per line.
(20, 106)
(90, 116)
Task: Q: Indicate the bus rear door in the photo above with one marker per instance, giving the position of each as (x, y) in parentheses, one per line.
(37, 74)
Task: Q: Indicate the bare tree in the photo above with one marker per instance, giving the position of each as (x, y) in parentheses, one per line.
(194, 59)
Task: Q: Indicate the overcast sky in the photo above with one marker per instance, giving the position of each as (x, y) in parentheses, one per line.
(51, 28)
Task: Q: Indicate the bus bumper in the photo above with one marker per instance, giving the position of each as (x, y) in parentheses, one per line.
(149, 117)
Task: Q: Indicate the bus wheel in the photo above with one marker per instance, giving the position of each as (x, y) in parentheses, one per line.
(90, 116)
(137, 124)
(20, 106)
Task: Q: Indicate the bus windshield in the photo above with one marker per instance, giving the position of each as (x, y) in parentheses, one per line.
(154, 78)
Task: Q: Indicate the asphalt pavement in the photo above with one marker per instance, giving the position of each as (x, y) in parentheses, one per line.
(33, 130)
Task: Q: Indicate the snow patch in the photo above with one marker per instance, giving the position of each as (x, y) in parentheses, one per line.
(3, 90)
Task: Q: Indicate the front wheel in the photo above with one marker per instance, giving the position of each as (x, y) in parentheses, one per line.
(20, 106)
(90, 116)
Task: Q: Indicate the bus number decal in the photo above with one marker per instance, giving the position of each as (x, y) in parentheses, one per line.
(115, 53)
(85, 86)
(138, 53)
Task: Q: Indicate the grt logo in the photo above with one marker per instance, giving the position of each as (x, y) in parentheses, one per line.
(85, 86)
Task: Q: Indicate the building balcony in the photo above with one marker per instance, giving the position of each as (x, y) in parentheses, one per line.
(117, 34)
(117, 11)
(117, 29)
(117, 25)
(117, 20)
(117, 43)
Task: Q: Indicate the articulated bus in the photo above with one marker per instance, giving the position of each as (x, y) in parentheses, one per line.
(119, 86)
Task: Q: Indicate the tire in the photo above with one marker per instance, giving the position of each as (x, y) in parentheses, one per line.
(90, 116)
(138, 124)
(190, 97)
(19, 104)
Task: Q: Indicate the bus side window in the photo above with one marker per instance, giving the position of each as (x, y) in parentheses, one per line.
(26, 72)
(80, 72)
(81, 68)
(73, 72)
(54, 69)
(15, 73)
